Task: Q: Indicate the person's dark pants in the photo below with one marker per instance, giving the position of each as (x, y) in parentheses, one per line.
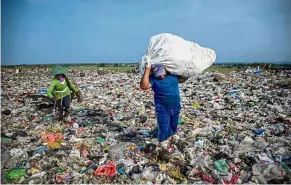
(167, 121)
(63, 104)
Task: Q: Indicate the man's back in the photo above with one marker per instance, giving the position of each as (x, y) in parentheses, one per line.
(166, 91)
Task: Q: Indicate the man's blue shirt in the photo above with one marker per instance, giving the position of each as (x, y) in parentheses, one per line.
(166, 91)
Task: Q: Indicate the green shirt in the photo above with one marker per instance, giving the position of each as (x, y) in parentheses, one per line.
(59, 90)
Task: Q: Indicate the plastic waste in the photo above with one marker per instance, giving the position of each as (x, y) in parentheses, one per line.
(6, 112)
(54, 140)
(176, 174)
(75, 153)
(221, 166)
(16, 153)
(108, 170)
(247, 141)
(196, 104)
(259, 132)
(180, 121)
(208, 178)
(40, 150)
(199, 161)
(116, 123)
(14, 174)
(100, 140)
(266, 172)
(42, 91)
(149, 174)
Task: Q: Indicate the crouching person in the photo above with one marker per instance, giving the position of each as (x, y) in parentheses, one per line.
(60, 90)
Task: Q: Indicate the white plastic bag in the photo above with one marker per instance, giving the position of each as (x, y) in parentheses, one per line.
(179, 57)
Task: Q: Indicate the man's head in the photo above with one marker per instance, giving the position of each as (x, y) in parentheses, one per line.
(159, 71)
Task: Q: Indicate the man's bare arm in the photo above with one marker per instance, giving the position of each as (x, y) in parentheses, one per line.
(145, 80)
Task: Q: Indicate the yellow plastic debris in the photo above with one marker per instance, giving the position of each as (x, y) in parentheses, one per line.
(175, 173)
(196, 104)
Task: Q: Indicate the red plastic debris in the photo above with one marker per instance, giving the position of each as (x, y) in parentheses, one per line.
(109, 170)
(81, 129)
(62, 178)
(84, 153)
(233, 180)
(51, 137)
(233, 167)
(208, 178)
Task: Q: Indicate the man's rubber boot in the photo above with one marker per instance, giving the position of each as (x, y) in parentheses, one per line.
(60, 117)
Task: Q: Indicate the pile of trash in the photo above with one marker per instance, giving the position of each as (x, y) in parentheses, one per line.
(234, 128)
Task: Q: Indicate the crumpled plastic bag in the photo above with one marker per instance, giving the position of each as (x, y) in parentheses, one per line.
(179, 57)
(200, 160)
(221, 166)
(14, 174)
(40, 150)
(266, 172)
(108, 170)
(149, 174)
(176, 174)
(75, 153)
(116, 151)
(208, 178)
(63, 178)
(83, 148)
(16, 153)
(54, 140)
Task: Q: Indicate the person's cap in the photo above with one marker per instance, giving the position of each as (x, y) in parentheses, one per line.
(158, 70)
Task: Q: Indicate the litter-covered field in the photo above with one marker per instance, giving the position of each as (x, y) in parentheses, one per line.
(234, 128)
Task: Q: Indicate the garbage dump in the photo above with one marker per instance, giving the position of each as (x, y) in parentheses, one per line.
(234, 128)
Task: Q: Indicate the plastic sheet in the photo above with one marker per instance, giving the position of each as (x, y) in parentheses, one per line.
(108, 170)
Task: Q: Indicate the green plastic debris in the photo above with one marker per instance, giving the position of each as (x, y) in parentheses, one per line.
(180, 121)
(5, 138)
(120, 116)
(101, 140)
(85, 123)
(60, 171)
(107, 148)
(285, 167)
(221, 166)
(14, 174)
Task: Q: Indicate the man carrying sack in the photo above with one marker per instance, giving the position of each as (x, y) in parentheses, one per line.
(167, 101)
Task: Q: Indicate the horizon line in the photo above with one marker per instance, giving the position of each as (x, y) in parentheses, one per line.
(106, 63)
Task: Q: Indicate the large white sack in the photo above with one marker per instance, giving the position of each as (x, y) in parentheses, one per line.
(180, 57)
